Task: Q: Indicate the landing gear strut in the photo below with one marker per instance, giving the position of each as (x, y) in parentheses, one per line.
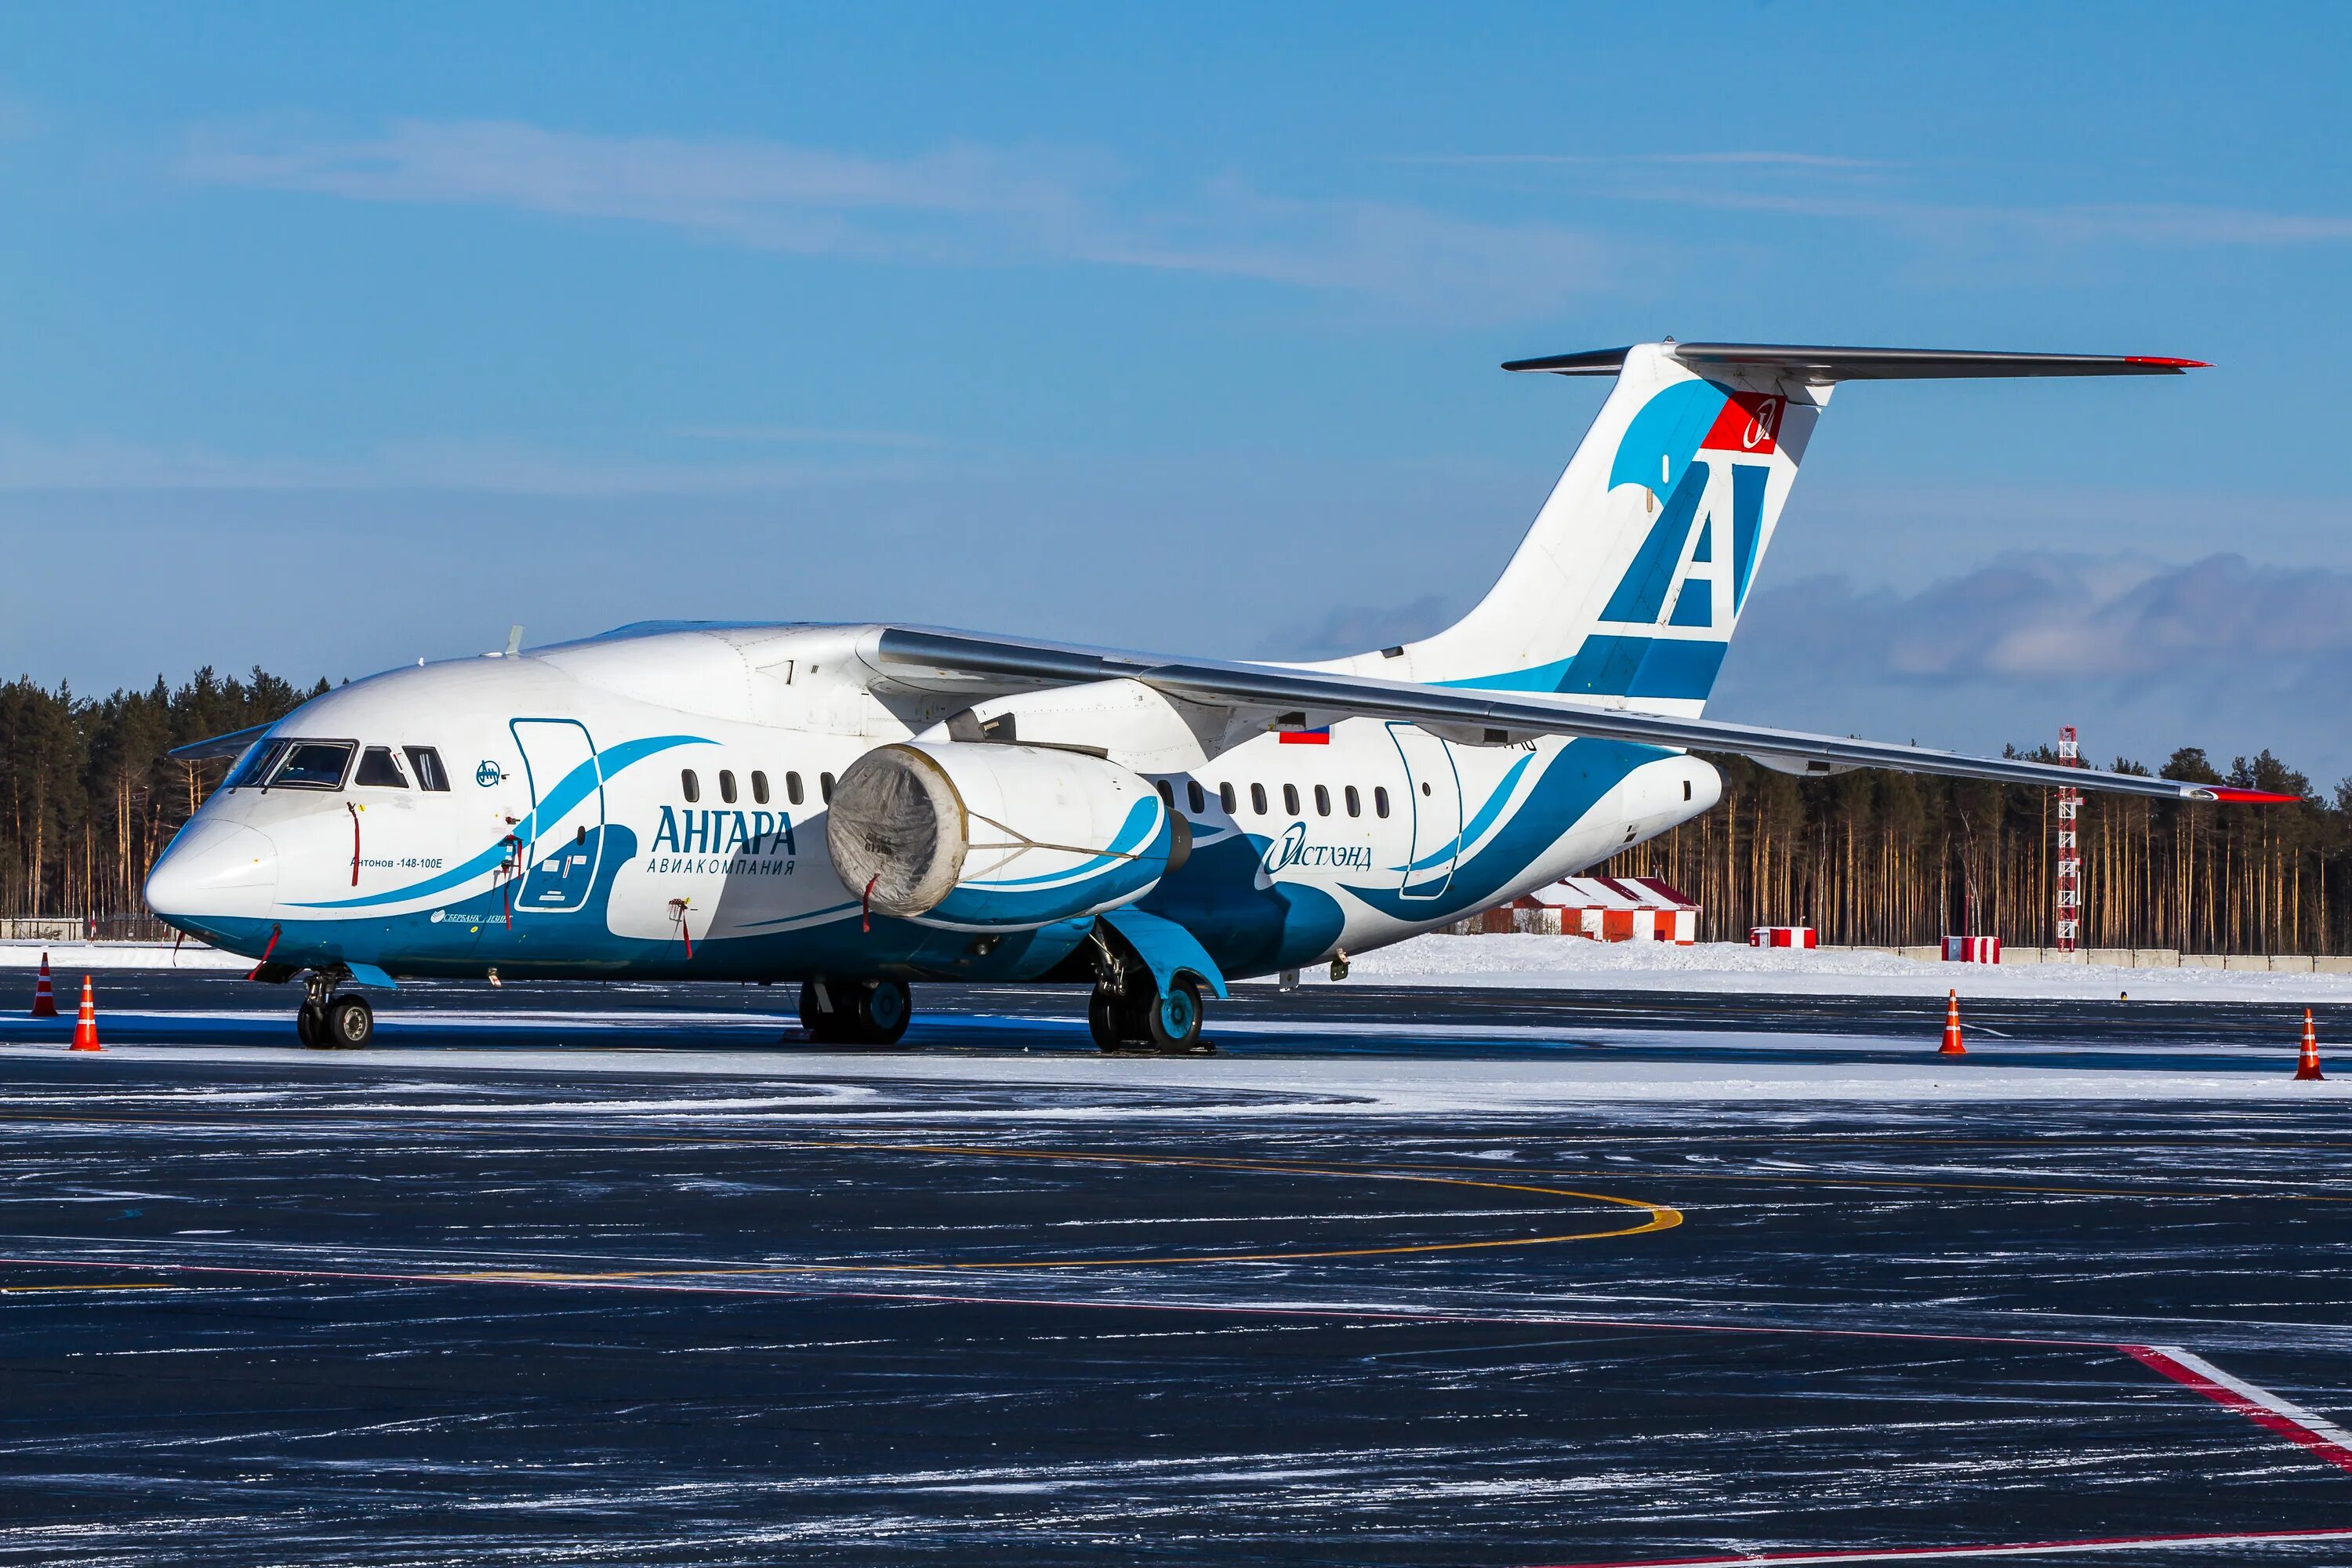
(328, 1022)
(856, 1013)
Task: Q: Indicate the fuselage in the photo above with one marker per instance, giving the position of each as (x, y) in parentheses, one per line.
(651, 803)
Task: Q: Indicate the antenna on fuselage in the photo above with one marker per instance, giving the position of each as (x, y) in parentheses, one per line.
(514, 641)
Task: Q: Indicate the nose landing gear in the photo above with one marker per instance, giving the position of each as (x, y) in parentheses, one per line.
(328, 1022)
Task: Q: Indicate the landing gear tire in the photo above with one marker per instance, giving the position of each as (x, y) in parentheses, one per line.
(1171, 1020)
(1162, 1022)
(874, 1013)
(882, 1012)
(310, 1024)
(350, 1023)
(825, 1028)
(1107, 1022)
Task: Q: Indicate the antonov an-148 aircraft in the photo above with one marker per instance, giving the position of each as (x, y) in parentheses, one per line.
(852, 807)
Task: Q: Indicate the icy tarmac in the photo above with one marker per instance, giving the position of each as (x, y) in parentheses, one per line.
(601, 1274)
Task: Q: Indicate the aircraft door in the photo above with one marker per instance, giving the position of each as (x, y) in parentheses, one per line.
(1433, 790)
(567, 816)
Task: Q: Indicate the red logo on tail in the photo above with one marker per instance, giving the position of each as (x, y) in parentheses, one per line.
(1750, 422)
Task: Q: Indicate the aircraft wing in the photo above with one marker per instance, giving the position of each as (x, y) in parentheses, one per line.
(1300, 698)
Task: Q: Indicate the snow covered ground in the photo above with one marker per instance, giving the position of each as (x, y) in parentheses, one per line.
(1553, 961)
(1079, 1087)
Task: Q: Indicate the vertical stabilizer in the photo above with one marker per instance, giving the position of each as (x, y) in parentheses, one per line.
(1627, 589)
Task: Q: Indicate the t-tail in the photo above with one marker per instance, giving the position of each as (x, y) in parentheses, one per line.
(1630, 583)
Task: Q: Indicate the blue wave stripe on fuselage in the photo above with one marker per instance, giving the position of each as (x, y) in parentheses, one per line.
(569, 791)
(1479, 823)
(1133, 839)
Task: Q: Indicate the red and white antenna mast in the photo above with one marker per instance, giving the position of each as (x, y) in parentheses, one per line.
(2070, 853)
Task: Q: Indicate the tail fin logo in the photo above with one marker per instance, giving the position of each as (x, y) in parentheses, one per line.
(1750, 422)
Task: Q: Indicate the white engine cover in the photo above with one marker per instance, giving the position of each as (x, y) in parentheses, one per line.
(977, 835)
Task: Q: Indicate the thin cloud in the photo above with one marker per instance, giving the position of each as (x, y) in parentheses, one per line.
(27, 465)
(1835, 187)
(1360, 628)
(1758, 158)
(2141, 223)
(2145, 655)
(959, 205)
(2027, 615)
(810, 435)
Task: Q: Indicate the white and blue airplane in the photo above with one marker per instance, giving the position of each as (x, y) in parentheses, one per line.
(852, 807)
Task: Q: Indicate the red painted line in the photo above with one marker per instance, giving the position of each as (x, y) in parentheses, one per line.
(2274, 1417)
(2011, 1549)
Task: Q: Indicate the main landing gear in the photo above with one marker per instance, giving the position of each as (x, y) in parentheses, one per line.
(855, 1012)
(328, 1022)
(1163, 1023)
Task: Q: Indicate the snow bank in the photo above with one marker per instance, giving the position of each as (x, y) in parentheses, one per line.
(80, 956)
(1570, 962)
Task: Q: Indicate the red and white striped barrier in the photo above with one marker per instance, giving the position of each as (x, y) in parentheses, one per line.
(1782, 936)
(1972, 950)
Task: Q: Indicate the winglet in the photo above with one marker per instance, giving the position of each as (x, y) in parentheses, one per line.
(2237, 796)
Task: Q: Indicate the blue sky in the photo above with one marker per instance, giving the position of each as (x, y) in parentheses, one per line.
(333, 337)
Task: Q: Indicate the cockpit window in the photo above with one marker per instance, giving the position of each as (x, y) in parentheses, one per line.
(378, 769)
(255, 765)
(427, 764)
(314, 765)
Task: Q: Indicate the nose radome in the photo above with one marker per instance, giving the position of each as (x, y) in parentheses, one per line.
(215, 869)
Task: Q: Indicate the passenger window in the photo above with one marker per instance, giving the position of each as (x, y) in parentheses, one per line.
(1167, 795)
(758, 787)
(1290, 799)
(1257, 798)
(792, 788)
(1226, 798)
(258, 759)
(427, 762)
(1322, 801)
(1380, 800)
(314, 764)
(825, 784)
(378, 771)
(1193, 793)
(726, 785)
(690, 785)
(1355, 804)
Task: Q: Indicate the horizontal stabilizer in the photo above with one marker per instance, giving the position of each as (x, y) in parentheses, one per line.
(1815, 363)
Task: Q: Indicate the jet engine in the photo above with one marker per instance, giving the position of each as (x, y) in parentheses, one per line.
(986, 836)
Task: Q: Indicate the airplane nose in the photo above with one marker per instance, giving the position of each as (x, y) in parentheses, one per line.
(215, 869)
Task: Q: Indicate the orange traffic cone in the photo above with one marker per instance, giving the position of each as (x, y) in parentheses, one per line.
(2308, 1067)
(45, 1000)
(86, 1025)
(1952, 1046)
